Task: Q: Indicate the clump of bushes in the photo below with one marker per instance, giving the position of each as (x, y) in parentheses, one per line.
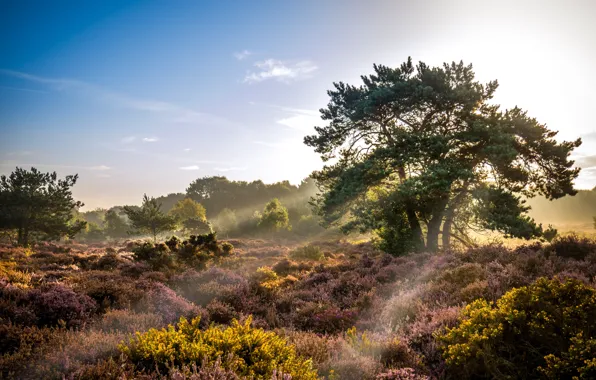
(544, 329)
(308, 252)
(194, 252)
(245, 350)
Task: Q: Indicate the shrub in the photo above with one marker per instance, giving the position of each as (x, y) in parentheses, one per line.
(127, 321)
(573, 246)
(530, 330)
(156, 255)
(401, 374)
(109, 289)
(243, 349)
(54, 303)
(202, 287)
(307, 252)
(109, 261)
(163, 301)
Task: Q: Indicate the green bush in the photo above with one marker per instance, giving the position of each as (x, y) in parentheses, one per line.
(544, 329)
(247, 351)
(307, 252)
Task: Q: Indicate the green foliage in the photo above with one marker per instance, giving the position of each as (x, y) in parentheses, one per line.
(188, 209)
(546, 327)
(218, 193)
(550, 233)
(39, 204)
(115, 226)
(158, 256)
(196, 226)
(149, 218)
(428, 140)
(245, 350)
(307, 252)
(274, 217)
(93, 233)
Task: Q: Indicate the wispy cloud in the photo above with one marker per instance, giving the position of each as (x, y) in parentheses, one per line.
(230, 169)
(270, 144)
(242, 55)
(99, 167)
(23, 89)
(54, 166)
(586, 162)
(128, 139)
(187, 149)
(191, 167)
(20, 153)
(282, 71)
(150, 139)
(175, 112)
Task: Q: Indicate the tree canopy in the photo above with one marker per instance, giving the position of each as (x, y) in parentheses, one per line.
(149, 218)
(274, 217)
(420, 149)
(38, 204)
(188, 209)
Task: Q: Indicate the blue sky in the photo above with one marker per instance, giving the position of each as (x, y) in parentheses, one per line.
(146, 96)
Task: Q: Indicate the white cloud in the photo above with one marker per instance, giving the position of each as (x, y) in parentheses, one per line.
(99, 168)
(242, 55)
(300, 122)
(53, 167)
(150, 139)
(281, 71)
(191, 167)
(187, 149)
(586, 162)
(230, 169)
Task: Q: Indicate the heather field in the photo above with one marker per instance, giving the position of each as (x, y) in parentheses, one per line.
(266, 310)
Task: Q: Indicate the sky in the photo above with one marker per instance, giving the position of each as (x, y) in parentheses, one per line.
(146, 96)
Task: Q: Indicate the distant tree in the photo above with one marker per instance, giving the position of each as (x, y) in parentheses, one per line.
(419, 145)
(196, 226)
(275, 217)
(39, 204)
(115, 226)
(217, 192)
(96, 216)
(149, 218)
(168, 201)
(93, 232)
(188, 209)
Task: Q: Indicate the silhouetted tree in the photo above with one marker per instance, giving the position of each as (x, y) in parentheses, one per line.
(32, 202)
(149, 218)
(415, 145)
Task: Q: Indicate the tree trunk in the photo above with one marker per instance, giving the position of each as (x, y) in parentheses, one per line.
(450, 214)
(23, 237)
(412, 217)
(20, 237)
(434, 226)
(446, 234)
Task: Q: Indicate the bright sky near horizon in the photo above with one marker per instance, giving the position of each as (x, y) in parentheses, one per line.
(146, 96)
